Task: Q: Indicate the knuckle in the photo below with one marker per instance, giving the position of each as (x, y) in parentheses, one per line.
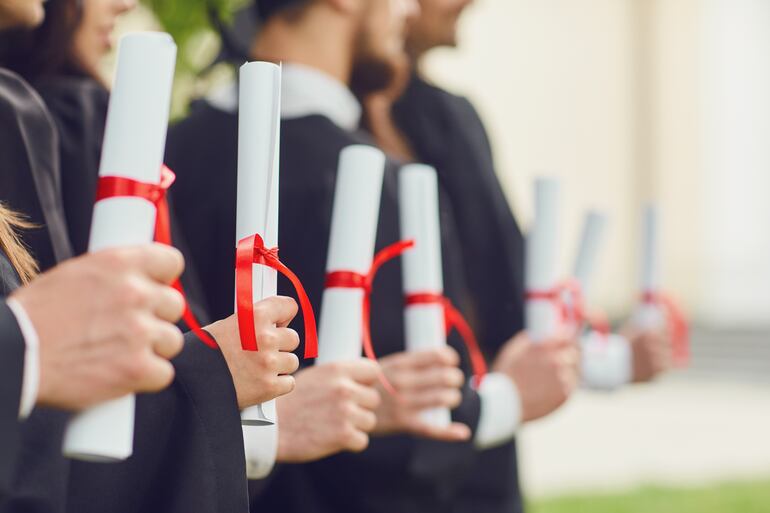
(137, 330)
(267, 338)
(133, 292)
(342, 390)
(269, 361)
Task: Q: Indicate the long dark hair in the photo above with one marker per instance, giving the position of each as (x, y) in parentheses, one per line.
(47, 49)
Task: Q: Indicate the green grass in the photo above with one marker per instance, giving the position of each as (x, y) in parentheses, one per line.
(741, 497)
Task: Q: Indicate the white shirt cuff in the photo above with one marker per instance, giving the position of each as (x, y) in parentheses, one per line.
(500, 411)
(606, 361)
(31, 377)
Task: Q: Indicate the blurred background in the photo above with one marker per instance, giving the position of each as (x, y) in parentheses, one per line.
(625, 101)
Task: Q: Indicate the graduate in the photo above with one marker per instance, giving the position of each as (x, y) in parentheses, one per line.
(419, 121)
(328, 50)
(61, 59)
(188, 453)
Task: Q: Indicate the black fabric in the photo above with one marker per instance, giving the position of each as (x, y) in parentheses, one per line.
(188, 450)
(30, 180)
(11, 372)
(398, 473)
(446, 132)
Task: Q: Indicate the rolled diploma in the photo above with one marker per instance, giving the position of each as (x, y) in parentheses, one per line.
(352, 239)
(422, 269)
(257, 212)
(590, 242)
(134, 142)
(650, 316)
(541, 252)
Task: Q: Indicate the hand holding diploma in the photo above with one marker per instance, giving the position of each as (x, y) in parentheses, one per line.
(330, 411)
(261, 375)
(115, 335)
(423, 380)
(545, 373)
(134, 141)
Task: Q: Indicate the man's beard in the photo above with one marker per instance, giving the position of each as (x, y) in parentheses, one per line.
(371, 72)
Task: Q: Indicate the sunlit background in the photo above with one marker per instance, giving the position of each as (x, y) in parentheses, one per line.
(626, 101)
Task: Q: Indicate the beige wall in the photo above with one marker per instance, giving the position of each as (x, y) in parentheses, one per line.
(605, 95)
(557, 82)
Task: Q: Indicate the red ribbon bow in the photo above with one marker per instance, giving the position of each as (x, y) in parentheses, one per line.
(122, 187)
(573, 311)
(453, 319)
(354, 280)
(251, 250)
(677, 325)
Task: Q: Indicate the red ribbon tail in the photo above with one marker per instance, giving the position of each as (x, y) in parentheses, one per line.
(382, 256)
(366, 337)
(680, 331)
(311, 333)
(456, 320)
(244, 260)
(189, 318)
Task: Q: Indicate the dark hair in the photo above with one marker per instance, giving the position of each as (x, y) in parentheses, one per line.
(267, 8)
(47, 49)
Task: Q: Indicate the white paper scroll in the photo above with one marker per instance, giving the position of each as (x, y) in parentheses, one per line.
(259, 119)
(351, 248)
(422, 269)
(134, 142)
(650, 316)
(588, 250)
(541, 260)
(606, 361)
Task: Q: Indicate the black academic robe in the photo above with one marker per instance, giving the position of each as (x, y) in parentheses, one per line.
(188, 449)
(446, 132)
(30, 179)
(398, 473)
(12, 348)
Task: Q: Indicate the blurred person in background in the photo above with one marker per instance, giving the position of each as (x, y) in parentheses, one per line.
(418, 121)
(320, 117)
(401, 474)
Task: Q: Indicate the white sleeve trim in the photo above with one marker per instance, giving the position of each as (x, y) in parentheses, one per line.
(607, 361)
(31, 377)
(500, 411)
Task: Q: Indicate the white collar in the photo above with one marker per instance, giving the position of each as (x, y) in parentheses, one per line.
(304, 91)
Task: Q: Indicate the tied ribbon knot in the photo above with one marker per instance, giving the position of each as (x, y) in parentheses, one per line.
(453, 319)
(677, 324)
(251, 250)
(574, 310)
(122, 187)
(354, 280)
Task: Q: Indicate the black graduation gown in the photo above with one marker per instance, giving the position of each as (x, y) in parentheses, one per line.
(188, 449)
(12, 348)
(446, 132)
(30, 179)
(398, 473)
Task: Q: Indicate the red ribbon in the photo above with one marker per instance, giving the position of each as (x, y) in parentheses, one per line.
(453, 319)
(573, 311)
(354, 280)
(122, 187)
(677, 324)
(251, 250)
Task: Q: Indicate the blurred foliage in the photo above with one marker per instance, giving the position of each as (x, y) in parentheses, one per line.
(190, 24)
(738, 497)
